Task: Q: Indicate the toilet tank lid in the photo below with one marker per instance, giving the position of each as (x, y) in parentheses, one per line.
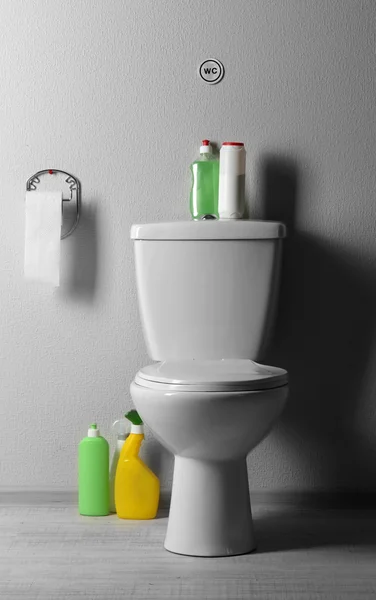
(231, 229)
(213, 375)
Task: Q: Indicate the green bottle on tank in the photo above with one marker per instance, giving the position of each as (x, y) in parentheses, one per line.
(93, 474)
(205, 183)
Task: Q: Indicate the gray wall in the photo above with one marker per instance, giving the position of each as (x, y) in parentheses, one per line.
(109, 91)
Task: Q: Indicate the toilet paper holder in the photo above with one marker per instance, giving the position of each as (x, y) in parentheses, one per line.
(74, 189)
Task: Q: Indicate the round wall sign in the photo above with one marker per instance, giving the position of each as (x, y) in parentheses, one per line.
(211, 70)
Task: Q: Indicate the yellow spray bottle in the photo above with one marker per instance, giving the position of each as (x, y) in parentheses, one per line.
(136, 486)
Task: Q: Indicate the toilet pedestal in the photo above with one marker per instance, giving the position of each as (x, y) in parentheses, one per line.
(210, 512)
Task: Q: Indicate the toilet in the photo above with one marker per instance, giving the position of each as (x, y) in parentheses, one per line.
(207, 293)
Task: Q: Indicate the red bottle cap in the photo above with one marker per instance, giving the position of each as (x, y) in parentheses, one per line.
(233, 144)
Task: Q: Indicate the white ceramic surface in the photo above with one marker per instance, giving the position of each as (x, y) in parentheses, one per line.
(210, 435)
(211, 375)
(208, 298)
(208, 292)
(243, 229)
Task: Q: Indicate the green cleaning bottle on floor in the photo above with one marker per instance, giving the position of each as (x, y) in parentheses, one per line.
(93, 474)
(205, 183)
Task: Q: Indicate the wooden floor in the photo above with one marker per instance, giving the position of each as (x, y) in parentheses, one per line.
(49, 552)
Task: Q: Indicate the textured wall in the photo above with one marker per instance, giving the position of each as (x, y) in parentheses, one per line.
(109, 91)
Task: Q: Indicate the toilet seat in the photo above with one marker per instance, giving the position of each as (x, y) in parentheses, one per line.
(211, 376)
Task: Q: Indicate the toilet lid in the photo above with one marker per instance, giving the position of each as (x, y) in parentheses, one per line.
(211, 375)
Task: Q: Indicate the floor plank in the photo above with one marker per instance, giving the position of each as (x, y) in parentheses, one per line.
(48, 551)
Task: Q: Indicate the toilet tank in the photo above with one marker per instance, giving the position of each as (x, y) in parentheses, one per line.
(207, 289)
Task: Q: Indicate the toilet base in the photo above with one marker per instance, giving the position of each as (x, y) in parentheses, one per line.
(210, 512)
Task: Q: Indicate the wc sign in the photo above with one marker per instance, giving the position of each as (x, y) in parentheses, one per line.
(211, 70)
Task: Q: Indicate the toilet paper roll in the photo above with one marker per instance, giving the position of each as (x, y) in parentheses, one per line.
(42, 236)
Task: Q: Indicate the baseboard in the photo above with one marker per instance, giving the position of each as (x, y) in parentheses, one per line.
(37, 496)
(317, 499)
(43, 496)
(304, 499)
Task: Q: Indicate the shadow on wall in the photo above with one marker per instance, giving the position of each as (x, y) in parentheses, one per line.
(323, 337)
(83, 264)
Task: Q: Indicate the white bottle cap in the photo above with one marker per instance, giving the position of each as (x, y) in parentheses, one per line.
(137, 428)
(93, 431)
(205, 147)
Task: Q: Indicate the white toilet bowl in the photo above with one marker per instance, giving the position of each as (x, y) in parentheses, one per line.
(208, 290)
(210, 415)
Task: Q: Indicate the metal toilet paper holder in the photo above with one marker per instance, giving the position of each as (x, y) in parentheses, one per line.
(74, 188)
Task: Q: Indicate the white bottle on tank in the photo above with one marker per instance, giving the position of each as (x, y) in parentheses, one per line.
(231, 202)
